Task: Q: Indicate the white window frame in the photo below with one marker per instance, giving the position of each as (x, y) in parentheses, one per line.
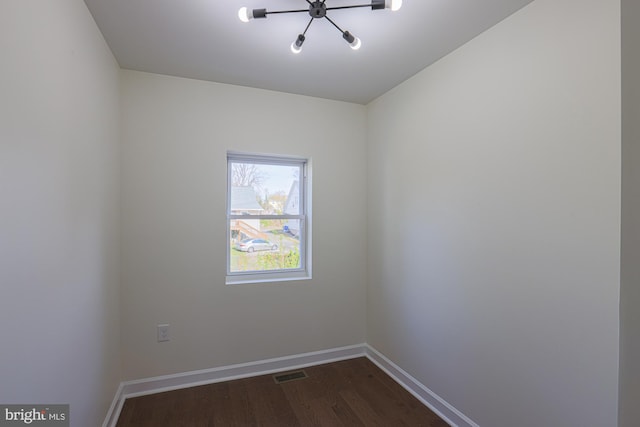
(304, 216)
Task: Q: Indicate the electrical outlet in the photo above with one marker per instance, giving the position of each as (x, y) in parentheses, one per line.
(163, 332)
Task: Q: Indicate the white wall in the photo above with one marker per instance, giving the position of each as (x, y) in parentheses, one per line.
(494, 219)
(176, 133)
(59, 209)
(630, 271)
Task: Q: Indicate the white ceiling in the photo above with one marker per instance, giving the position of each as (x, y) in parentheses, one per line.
(204, 39)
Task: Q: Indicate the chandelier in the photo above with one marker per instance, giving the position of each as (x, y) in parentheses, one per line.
(318, 10)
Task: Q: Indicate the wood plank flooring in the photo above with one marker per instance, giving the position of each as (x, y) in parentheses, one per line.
(348, 393)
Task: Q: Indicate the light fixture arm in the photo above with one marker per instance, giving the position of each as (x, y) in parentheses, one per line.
(307, 27)
(334, 24)
(273, 12)
(352, 7)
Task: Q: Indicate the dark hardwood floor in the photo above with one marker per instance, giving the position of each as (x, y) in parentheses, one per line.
(348, 393)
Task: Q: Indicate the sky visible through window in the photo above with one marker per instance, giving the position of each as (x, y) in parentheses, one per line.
(277, 179)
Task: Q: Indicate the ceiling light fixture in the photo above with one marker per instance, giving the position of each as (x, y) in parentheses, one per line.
(318, 9)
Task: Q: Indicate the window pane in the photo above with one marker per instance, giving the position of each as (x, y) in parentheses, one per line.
(264, 245)
(259, 189)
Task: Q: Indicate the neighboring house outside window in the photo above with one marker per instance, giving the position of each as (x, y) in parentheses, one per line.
(268, 223)
(244, 200)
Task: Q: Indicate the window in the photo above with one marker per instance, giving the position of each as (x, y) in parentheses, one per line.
(268, 225)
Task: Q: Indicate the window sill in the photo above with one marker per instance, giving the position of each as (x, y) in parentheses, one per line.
(267, 277)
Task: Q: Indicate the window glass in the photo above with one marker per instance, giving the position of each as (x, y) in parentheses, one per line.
(266, 215)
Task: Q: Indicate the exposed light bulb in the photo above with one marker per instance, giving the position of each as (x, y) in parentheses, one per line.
(355, 45)
(243, 14)
(394, 4)
(354, 42)
(296, 46)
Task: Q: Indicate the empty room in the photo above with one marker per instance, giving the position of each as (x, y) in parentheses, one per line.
(436, 197)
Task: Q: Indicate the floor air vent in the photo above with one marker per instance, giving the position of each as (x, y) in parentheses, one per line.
(289, 376)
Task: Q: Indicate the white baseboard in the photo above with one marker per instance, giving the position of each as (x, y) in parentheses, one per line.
(262, 367)
(225, 373)
(437, 404)
(114, 410)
